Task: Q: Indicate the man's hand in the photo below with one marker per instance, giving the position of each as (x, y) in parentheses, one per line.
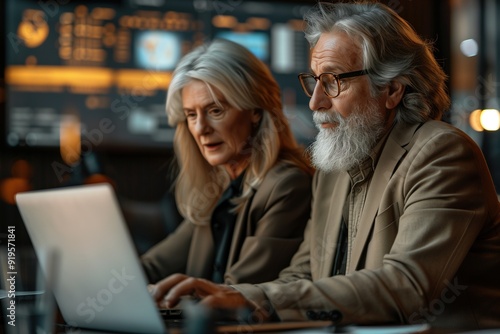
(168, 292)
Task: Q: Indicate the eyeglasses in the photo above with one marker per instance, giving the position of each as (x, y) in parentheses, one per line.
(329, 81)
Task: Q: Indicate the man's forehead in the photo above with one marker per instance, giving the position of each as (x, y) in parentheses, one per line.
(336, 50)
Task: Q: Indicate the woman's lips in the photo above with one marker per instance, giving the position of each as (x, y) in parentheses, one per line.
(212, 146)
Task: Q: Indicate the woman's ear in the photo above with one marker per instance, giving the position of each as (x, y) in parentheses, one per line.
(256, 116)
(396, 91)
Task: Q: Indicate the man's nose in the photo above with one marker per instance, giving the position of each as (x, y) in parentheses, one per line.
(319, 100)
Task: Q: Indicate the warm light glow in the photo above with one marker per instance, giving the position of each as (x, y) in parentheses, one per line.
(70, 140)
(259, 23)
(33, 29)
(143, 81)
(101, 13)
(297, 25)
(475, 120)
(224, 21)
(85, 80)
(490, 119)
(21, 171)
(11, 186)
(59, 76)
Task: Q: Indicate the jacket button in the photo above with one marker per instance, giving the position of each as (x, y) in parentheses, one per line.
(335, 316)
(324, 316)
(312, 315)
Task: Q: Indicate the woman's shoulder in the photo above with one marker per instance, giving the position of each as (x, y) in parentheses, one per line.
(286, 171)
(283, 180)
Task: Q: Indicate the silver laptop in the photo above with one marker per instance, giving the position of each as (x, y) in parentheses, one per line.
(100, 282)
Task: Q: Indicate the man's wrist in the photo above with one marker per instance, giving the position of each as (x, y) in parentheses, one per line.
(258, 312)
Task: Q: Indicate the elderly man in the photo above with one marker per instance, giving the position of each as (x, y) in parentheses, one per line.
(405, 221)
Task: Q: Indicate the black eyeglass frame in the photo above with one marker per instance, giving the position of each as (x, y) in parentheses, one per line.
(337, 77)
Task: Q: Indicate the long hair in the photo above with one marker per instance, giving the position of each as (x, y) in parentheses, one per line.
(246, 84)
(392, 51)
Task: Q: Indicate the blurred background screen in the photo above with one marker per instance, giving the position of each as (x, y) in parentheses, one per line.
(95, 73)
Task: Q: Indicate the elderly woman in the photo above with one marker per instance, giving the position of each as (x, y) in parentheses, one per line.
(244, 183)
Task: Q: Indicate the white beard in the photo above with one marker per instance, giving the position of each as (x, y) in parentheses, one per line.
(350, 142)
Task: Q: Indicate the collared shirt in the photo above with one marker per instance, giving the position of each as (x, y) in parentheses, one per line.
(223, 221)
(360, 176)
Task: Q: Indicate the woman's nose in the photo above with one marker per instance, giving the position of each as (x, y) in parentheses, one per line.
(202, 125)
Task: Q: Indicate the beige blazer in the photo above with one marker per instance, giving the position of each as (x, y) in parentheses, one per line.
(267, 233)
(427, 247)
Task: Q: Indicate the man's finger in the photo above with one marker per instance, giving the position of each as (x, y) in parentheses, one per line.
(223, 296)
(163, 287)
(188, 287)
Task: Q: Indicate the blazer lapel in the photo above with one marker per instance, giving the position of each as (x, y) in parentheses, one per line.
(332, 223)
(240, 232)
(201, 252)
(392, 153)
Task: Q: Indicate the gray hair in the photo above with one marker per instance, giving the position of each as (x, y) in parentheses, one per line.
(392, 51)
(246, 84)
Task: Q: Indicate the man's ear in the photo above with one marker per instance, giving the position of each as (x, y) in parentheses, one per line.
(396, 90)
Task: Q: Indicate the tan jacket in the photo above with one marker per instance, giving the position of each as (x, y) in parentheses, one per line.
(427, 247)
(267, 233)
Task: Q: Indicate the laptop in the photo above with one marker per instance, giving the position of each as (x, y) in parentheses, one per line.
(100, 282)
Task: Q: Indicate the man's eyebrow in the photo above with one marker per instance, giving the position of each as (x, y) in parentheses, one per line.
(329, 69)
(310, 70)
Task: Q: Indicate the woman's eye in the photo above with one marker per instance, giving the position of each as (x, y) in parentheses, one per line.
(215, 112)
(190, 115)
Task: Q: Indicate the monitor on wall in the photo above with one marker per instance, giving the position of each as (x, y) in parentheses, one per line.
(98, 71)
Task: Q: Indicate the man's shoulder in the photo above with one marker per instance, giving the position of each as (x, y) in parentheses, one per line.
(433, 130)
(439, 128)
(440, 131)
(433, 139)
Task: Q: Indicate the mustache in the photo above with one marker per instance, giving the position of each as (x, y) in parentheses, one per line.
(327, 117)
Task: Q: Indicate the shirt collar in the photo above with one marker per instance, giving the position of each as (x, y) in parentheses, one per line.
(361, 171)
(234, 188)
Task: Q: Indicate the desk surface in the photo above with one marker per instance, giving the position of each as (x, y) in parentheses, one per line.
(312, 327)
(284, 327)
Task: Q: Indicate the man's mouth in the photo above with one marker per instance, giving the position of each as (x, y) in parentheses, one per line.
(328, 125)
